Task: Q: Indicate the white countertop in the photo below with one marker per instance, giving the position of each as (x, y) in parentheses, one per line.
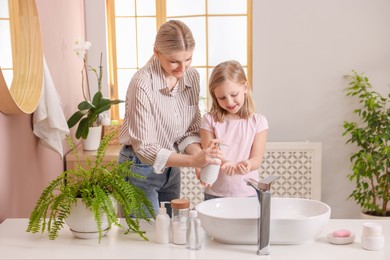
(15, 243)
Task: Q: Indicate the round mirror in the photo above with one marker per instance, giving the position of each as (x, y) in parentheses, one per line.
(27, 59)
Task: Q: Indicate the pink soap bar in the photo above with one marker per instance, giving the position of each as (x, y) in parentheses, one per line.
(341, 233)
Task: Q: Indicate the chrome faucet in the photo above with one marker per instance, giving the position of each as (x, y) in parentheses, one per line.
(263, 188)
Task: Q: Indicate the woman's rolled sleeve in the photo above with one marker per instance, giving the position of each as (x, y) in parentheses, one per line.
(187, 141)
(161, 160)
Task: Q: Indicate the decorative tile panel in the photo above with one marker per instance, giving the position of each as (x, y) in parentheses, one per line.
(297, 163)
(191, 188)
(294, 169)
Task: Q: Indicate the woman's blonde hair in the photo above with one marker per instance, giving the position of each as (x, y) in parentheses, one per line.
(230, 71)
(174, 36)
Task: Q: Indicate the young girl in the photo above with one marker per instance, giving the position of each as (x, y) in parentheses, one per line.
(232, 119)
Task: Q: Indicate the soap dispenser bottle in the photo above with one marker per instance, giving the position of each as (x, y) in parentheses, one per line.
(162, 225)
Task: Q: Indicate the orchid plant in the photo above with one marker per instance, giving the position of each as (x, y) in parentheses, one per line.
(89, 110)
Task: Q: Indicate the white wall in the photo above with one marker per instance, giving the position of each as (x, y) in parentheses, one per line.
(26, 166)
(301, 50)
(95, 32)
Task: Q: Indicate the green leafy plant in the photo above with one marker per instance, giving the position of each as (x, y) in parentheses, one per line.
(371, 134)
(96, 185)
(89, 110)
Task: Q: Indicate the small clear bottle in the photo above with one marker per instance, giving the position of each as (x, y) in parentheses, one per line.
(193, 239)
(180, 209)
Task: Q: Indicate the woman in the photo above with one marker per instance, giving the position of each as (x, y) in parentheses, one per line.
(162, 120)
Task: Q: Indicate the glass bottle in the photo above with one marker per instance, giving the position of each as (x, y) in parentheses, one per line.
(193, 239)
(180, 209)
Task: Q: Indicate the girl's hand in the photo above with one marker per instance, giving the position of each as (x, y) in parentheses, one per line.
(243, 167)
(228, 168)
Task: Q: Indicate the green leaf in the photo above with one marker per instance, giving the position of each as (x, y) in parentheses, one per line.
(82, 129)
(84, 105)
(107, 105)
(97, 98)
(75, 118)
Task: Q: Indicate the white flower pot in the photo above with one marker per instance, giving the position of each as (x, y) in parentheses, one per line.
(92, 142)
(368, 216)
(82, 223)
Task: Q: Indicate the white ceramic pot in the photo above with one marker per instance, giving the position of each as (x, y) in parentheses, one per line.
(92, 142)
(82, 223)
(368, 216)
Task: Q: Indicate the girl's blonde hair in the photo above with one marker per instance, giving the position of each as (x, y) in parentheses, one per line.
(230, 71)
(174, 36)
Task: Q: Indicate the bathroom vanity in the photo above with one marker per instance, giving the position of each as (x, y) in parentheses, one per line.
(16, 243)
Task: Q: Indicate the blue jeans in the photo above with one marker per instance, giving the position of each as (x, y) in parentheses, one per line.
(157, 187)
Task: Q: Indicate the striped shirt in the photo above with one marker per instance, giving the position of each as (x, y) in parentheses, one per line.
(157, 121)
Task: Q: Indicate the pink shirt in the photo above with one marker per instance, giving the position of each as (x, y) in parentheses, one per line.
(238, 134)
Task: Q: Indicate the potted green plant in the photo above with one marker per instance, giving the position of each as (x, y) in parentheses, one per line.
(371, 134)
(98, 185)
(90, 109)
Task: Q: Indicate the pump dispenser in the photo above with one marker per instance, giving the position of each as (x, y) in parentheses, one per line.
(162, 225)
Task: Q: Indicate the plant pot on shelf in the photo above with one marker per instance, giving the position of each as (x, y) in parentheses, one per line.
(92, 142)
(82, 222)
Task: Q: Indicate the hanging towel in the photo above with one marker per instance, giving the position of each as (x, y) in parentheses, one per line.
(49, 123)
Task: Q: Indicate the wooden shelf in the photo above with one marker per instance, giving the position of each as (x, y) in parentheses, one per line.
(112, 153)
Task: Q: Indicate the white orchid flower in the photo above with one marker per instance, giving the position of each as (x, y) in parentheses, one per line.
(81, 48)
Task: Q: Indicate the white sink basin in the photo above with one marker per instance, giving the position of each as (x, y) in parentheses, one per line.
(234, 220)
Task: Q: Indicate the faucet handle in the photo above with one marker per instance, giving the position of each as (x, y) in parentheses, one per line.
(265, 184)
(252, 182)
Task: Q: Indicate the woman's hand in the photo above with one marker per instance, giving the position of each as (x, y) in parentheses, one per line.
(197, 171)
(209, 155)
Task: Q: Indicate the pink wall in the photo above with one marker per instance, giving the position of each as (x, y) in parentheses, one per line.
(26, 167)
